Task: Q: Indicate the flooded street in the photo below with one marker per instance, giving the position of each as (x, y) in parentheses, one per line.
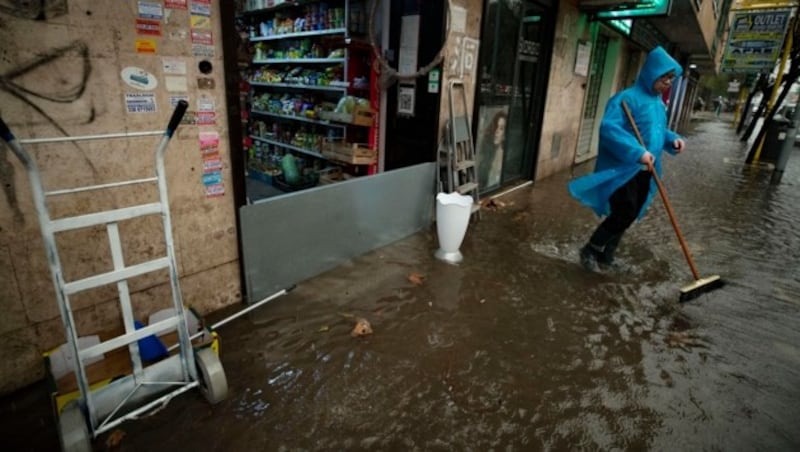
(519, 348)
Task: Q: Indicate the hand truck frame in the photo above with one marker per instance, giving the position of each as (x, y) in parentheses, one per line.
(99, 409)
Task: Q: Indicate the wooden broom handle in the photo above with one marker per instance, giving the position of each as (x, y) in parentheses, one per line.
(664, 198)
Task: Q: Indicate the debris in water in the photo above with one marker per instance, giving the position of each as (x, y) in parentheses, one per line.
(323, 329)
(416, 279)
(362, 328)
(114, 439)
(494, 204)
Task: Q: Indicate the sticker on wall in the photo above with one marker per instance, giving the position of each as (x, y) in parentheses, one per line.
(215, 191)
(178, 35)
(212, 163)
(209, 142)
(176, 4)
(173, 66)
(145, 45)
(150, 10)
(202, 37)
(458, 19)
(140, 102)
(200, 21)
(206, 118)
(176, 83)
(201, 9)
(433, 81)
(174, 99)
(463, 57)
(148, 27)
(138, 78)
(189, 118)
(406, 98)
(212, 178)
(202, 50)
(205, 83)
(205, 103)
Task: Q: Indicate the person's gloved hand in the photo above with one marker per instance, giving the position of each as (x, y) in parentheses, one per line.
(678, 145)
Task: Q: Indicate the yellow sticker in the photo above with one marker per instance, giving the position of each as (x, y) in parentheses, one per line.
(200, 21)
(145, 45)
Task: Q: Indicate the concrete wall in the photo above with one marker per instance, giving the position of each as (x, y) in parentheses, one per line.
(461, 57)
(61, 75)
(565, 94)
(707, 19)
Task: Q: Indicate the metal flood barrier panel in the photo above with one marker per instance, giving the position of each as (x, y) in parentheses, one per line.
(293, 237)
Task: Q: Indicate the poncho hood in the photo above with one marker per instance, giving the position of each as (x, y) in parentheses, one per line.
(657, 63)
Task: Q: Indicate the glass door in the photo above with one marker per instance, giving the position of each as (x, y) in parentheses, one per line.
(514, 68)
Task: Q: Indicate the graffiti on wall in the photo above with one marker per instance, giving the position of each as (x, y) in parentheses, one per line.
(52, 76)
(463, 57)
(70, 85)
(34, 10)
(67, 89)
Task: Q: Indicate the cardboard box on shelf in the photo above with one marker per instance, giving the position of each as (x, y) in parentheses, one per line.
(352, 153)
(362, 115)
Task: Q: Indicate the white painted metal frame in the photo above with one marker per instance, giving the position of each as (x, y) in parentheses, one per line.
(108, 406)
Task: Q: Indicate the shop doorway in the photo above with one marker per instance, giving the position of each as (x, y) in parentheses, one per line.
(605, 52)
(513, 84)
(412, 111)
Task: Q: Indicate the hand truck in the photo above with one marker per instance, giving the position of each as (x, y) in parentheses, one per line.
(101, 407)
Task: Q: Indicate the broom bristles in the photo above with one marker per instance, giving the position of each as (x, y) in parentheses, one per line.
(700, 286)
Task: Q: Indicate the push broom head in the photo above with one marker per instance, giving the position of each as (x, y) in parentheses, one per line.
(700, 286)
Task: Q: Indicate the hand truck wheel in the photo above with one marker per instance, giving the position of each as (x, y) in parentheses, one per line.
(72, 430)
(213, 383)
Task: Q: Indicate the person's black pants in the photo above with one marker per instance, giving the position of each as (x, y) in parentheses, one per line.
(626, 202)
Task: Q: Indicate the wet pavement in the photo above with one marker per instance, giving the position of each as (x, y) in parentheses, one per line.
(519, 348)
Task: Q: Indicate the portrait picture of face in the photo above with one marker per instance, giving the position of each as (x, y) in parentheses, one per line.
(491, 139)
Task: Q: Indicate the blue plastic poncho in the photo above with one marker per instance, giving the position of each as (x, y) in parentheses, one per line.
(619, 149)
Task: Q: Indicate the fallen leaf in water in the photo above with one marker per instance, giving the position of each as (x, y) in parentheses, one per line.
(114, 439)
(494, 204)
(416, 279)
(362, 328)
(684, 340)
(323, 329)
(483, 300)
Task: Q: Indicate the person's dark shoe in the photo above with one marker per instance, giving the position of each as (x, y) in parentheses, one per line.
(606, 258)
(589, 257)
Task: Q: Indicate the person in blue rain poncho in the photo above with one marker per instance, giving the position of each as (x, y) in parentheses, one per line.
(620, 188)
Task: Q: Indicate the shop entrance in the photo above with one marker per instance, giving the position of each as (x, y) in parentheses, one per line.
(605, 54)
(412, 111)
(513, 84)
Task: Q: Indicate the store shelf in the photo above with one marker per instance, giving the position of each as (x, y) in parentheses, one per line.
(300, 34)
(299, 86)
(296, 118)
(289, 146)
(272, 7)
(300, 60)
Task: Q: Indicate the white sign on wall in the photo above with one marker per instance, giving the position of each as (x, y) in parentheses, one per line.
(582, 58)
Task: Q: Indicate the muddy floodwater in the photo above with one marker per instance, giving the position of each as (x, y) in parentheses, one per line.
(519, 348)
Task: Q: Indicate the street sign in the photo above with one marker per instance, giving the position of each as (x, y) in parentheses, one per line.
(755, 40)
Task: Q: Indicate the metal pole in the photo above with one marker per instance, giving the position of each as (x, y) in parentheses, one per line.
(786, 151)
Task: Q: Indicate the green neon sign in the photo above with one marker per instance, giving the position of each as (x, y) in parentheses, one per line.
(622, 25)
(638, 9)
